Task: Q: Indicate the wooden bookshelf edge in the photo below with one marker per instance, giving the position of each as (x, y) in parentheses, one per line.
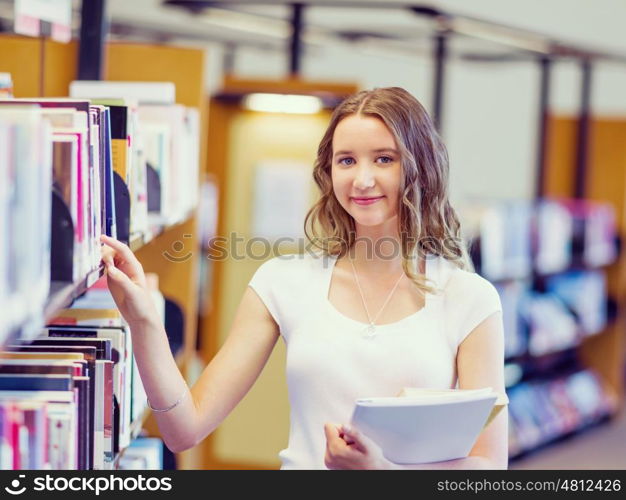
(139, 240)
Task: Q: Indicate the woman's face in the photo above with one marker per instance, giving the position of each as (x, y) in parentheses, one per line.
(366, 169)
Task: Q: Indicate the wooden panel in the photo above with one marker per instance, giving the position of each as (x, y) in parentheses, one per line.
(220, 115)
(148, 63)
(21, 56)
(60, 67)
(607, 167)
(606, 181)
(560, 156)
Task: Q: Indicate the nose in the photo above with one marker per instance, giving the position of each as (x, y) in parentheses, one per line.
(364, 178)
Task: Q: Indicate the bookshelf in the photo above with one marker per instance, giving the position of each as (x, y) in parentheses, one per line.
(51, 68)
(606, 181)
(549, 260)
(545, 376)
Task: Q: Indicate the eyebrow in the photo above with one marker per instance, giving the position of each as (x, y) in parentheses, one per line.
(380, 150)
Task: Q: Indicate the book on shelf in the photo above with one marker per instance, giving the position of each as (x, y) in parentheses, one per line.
(505, 243)
(70, 390)
(552, 326)
(73, 169)
(594, 231)
(512, 294)
(87, 397)
(97, 363)
(543, 410)
(144, 453)
(585, 294)
(421, 425)
(106, 317)
(70, 119)
(518, 238)
(21, 436)
(25, 208)
(554, 236)
(166, 137)
(79, 373)
(545, 258)
(104, 404)
(120, 356)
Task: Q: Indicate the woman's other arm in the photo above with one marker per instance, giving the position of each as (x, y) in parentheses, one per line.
(480, 363)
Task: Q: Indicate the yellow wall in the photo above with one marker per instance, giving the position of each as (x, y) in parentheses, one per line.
(259, 427)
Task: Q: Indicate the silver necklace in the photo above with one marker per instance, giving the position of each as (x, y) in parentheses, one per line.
(370, 330)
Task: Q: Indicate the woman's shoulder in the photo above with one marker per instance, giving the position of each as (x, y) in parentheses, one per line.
(459, 282)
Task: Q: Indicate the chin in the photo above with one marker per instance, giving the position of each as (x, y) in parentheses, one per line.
(369, 221)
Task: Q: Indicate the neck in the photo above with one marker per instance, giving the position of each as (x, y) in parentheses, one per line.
(377, 248)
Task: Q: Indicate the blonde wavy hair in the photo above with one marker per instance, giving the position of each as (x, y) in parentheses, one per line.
(427, 222)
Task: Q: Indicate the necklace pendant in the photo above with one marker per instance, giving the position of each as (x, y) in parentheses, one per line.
(370, 331)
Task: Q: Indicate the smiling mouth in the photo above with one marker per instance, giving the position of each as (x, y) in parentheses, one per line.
(366, 200)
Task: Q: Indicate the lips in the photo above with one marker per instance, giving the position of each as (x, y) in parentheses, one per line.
(366, 200)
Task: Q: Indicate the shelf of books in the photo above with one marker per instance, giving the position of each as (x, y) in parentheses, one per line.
(102, 161)
(68, 378)
(548, 261)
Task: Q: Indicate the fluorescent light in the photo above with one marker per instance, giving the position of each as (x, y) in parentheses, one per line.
(283, 103)
(247, 23)
(501, 35)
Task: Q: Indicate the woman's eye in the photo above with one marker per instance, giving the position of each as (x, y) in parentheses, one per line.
(385, 159)
(346, 161)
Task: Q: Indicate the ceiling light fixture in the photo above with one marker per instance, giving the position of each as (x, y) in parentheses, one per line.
(283, 103)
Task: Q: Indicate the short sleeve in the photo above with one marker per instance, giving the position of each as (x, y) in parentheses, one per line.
(476, 299)
(264, 283)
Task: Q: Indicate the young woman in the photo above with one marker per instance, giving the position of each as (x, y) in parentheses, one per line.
(387, 302)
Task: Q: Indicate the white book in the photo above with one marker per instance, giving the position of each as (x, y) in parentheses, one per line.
(425, 425)
(25, 213)
(5, 184)
(62, 436)
(62, 413)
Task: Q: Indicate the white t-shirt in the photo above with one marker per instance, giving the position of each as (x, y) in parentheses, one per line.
(331, 361)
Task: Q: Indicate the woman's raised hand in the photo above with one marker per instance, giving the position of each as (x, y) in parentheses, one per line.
(127, 281)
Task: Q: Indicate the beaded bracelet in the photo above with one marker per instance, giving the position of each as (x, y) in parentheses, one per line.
(161, 410)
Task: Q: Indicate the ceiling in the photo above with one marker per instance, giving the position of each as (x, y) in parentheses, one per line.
(392, 28)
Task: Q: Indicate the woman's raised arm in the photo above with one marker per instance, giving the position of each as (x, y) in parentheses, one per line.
(224, 381)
